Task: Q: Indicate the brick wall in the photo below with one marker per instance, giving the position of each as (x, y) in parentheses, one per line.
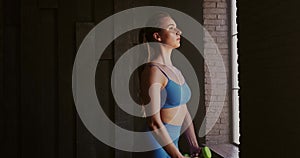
(215, 15)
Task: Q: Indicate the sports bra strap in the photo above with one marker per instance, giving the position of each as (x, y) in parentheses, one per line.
(160, 70)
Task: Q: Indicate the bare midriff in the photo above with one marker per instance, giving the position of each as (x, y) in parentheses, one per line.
(174, 116)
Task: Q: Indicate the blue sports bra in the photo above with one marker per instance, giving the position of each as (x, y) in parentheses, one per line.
(174, 94)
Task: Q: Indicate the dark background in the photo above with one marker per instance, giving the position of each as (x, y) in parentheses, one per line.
(269, 60)
(33, 78)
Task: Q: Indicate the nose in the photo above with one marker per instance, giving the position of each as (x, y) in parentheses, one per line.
(178, 31)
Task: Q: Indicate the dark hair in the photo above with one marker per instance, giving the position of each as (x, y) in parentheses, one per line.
(152, 26)
(146, 34)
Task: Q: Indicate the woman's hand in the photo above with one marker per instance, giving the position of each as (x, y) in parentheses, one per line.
(195, 151)
(180, 156)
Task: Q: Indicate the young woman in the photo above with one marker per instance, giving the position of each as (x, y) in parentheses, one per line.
(165, 91)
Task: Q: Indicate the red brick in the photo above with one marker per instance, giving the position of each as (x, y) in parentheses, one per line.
(222, 40)
(210, 16)
(214, 11)
(225, 57)
(214, 133)
(209, 45)
(223, 51)
(226, 110)
(221, 75)
(221, 5)
(213, 22)
(221, 138)
(224, 120)
(224, 132)
(221, 126)
(211, 142)
(224, 115)
(222, 28)
(209, 5)
(222, 45)
(222, 16)
(212, 0)
(218, 34)
(210, 28)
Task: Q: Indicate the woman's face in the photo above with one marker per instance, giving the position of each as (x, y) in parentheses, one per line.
(170, 34)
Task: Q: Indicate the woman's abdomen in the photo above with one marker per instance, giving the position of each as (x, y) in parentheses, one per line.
(174, 116)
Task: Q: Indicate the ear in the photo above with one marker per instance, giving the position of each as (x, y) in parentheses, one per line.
(157, 37)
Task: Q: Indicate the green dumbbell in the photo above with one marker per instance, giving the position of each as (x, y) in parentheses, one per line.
(206, 152)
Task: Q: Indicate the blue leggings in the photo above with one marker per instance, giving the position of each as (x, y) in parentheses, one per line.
(174, 132)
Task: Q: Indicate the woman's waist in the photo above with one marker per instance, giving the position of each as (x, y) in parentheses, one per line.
(174, 116)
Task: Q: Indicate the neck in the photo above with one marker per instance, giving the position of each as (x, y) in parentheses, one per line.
(163, 55)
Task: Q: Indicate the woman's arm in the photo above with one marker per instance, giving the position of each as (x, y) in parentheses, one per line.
(190, 135)
(155, 82)
(162, 136)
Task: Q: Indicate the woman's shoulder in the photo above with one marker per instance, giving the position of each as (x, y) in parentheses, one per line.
(153, 72)
(157, 65)
(151, 68)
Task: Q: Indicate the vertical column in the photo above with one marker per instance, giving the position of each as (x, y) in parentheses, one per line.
(235, 84)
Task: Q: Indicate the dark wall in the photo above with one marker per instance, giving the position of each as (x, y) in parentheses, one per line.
(9, 73)
(269, 59)
(38, 40)
(38, 46)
